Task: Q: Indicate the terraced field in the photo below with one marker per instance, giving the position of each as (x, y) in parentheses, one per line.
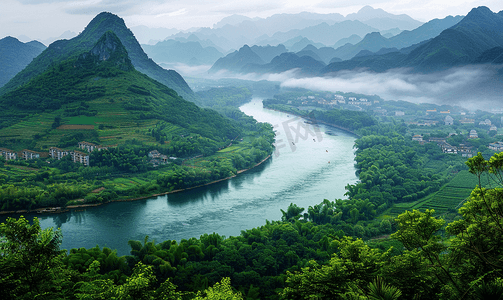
(449, 198)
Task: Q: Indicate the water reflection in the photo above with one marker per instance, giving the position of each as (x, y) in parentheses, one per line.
(302, 176)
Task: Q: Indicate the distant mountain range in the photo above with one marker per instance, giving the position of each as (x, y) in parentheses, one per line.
(15, 56)
(65, 49)
(433, 46)
(234, 31)
(464, 43)
(191, 53)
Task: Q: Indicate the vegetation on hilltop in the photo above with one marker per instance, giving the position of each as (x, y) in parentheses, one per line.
(63, 50)
(130, 113)
(15, 55)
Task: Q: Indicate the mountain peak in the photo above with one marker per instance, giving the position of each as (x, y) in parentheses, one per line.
(105, 17)
(109, 51)
(107, 45)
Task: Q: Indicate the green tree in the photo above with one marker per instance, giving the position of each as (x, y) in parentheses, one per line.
(220, 291)
(30, 260)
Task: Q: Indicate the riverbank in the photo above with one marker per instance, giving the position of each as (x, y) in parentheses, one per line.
(55, 210)
(316, 121)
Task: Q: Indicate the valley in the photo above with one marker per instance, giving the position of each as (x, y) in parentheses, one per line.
(296, 156)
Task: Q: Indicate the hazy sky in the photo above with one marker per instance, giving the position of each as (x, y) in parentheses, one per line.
(42, 19)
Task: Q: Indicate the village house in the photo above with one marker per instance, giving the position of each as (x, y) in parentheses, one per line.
(485, 122)
(449, 121)
(361, 101)
(498, 146)
(431, 111)
(427, 123)
(80, 157)
(8, 154)
(449, 149)
(417, 137)
(90, 147)
(467, 121)
(493, 128)
(437, 140)
(157, 158)
(465, 151)
(28, 154)
(380, 111)
(473, 134)
(57, 153)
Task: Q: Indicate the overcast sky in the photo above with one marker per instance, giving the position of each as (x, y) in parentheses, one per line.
(42, 19)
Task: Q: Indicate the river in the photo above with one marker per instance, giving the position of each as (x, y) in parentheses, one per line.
(309, 166)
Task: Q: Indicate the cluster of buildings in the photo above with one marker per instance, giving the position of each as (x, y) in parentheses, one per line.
(55, 153)
(25, 154)
(77, 156)
(155, 157)
(446, 147)
(335, 100)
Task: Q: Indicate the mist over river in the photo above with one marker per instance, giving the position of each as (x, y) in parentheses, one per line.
(306, 168)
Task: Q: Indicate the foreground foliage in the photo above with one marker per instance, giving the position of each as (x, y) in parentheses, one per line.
(289, 259)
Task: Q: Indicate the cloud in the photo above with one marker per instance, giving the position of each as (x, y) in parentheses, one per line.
(473, 87)
(93, 7)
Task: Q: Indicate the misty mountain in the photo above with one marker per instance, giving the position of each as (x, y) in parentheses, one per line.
(324, 54)
(371, 42)
(267, 53)
(309, 53)
(491, 56)
(284, 22)
(15, 56)
(391, 32)
(236, 60)
(150, 36)
(375, 41)
(298, 43)
(383, 20)
(353, 39)
(327, 34)
(64, 36)
(461, 44)
(64, 49)
(234, 31)
(171, 51)
(424, 32)
(306, 65)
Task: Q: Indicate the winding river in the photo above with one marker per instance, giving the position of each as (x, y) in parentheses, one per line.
(309, 166)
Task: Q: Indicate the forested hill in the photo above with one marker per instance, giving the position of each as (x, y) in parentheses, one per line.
(64, 49)
(15, 55)
(102, 83)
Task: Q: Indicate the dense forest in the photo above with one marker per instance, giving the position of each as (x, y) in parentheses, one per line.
(295, 258)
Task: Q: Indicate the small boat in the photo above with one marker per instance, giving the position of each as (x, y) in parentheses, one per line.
(329, 132)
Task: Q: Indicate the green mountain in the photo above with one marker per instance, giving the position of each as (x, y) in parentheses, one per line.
(65, 49)
(375, 41)
(15, 56)
(236, 60)
(461, 44)
(101, 88)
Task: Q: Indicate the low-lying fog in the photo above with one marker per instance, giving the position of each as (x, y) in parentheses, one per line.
(473, 87)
